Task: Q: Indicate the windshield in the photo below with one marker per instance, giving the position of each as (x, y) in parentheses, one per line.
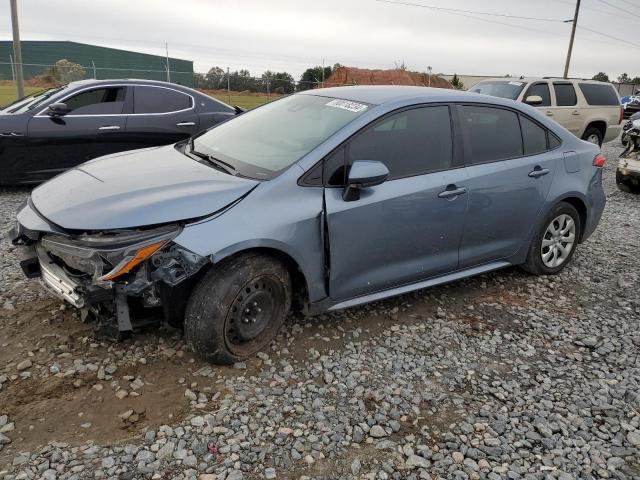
(503, 89)
(31, 101)
(263, 142)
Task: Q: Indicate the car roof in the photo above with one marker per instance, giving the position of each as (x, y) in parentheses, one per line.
(126, 81)
(392, 94)
(542, 79)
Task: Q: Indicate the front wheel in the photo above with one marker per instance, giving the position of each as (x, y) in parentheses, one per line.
(555, 241)
(237, 308)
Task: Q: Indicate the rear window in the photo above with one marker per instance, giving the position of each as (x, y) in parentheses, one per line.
(492, 133)
(565, 94)
(534, 136)
(159, 100)
(599, 94)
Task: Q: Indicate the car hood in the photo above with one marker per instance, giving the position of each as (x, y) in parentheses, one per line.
(135, 189)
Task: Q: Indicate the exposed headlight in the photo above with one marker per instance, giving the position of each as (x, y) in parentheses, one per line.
(108, 255)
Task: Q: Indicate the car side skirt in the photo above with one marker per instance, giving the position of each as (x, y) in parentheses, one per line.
(329, 304)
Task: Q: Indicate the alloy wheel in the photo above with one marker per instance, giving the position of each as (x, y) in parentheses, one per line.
(558, 241)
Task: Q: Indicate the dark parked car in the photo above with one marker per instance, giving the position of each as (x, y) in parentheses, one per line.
(51, 131)
(323, 200)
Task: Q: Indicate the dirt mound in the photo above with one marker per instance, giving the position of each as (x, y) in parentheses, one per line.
(363, 76)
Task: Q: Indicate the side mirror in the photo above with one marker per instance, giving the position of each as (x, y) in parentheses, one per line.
(58, 109)
(364, 174)
(533, 100)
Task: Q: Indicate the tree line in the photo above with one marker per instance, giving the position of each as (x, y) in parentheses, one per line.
(269, 82)
(624, 78)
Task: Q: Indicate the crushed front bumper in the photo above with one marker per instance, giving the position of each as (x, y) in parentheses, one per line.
(55, 279)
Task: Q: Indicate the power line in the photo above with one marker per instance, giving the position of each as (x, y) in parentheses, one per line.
(619, 8)
(634, 5)
(627, 42)
(471, 12)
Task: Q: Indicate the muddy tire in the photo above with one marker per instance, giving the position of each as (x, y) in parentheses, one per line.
(554, 242)
(237, 308)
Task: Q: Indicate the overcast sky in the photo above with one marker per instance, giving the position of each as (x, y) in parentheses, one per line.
(292, 35)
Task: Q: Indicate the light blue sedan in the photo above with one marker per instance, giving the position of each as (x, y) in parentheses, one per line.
(318, 201)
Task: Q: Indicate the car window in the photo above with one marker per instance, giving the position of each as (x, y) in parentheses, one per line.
(159, 100)
(533, 136)
(565, 94)
(554, 142)
(492, 133)
(499, 88)
(596, 94)
(541, 89)
(100, 101)
(411, 142)
(265, 141)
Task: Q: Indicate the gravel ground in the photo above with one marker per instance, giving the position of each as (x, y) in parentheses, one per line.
(504, 375)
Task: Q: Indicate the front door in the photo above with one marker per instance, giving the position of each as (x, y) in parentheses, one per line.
(407, 228)
(510, 168)
(94, 126)
(160, 116)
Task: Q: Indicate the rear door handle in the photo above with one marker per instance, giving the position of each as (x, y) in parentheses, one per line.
(186, 124)
(452, 191)
(575, 112)
(109, 127)
(538, 172)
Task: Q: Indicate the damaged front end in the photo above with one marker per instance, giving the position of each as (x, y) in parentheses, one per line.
(122, 278)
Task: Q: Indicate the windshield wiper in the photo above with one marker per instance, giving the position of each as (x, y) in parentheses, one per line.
(215, 162)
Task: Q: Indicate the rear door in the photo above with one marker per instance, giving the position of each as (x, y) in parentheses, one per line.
(510, 169)
(407, 228)
(94, 126)
(160, 116)
(566, 110)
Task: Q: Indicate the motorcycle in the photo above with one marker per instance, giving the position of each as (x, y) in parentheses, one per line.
(628, 172)
(627, 126)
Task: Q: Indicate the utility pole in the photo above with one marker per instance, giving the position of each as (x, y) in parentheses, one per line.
(429, 74)
(17, 52)
(322, 73)
(573, 34)
(166, 47)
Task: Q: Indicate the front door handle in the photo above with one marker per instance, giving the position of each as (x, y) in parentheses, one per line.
(538, 172)
(186, 124)
(109, 127)
(11, 134)
(452, 191)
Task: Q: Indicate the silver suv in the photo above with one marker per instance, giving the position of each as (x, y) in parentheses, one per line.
(589, 109)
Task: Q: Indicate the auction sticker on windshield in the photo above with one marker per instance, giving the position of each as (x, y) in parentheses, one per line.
(347, 105)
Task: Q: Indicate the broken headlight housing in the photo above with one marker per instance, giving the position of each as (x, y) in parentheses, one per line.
(108, 255)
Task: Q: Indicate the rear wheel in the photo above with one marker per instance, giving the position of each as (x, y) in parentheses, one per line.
(555, 241)
(238, 308)
(593, 135)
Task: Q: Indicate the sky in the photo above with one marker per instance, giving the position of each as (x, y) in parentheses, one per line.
(291, 35)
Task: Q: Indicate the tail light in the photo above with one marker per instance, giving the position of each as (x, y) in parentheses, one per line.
(599, 160)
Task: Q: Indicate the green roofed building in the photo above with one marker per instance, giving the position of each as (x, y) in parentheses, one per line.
(98, 62)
